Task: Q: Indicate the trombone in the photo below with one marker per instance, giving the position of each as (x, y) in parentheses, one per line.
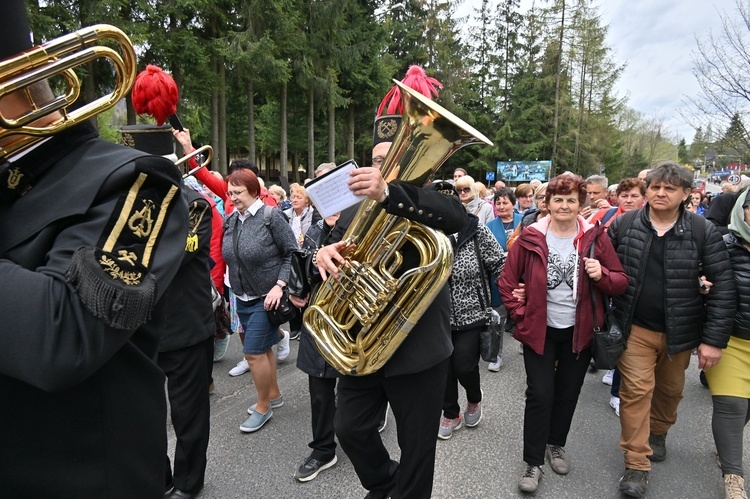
(209, 155)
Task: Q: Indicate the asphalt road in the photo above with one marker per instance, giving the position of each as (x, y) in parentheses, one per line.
(480, 462)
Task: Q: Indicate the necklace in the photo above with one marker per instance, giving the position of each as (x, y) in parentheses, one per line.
(662, 228)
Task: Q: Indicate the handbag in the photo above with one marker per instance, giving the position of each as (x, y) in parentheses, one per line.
(285, 311)
(300, 274)
(609, 343)
(489, 337)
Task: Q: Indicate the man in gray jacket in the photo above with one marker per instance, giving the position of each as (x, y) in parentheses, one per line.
(679, 255)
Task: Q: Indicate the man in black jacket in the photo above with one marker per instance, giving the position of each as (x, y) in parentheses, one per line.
(669, 255)
(186, 328)
(91, 234)
(413, 380)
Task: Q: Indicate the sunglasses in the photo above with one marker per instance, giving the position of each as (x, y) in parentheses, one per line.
(465, 190)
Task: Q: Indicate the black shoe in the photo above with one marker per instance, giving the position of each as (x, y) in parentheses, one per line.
(375, 494)
(294, 335)
(179, 494)
(311, 467)
(633, 483)
(702, 378)
(384, 419)
(658, 445)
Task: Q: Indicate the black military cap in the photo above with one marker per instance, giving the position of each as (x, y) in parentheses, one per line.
(15, 35)
(151, 139)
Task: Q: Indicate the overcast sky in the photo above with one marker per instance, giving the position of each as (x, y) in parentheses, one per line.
(656, 38)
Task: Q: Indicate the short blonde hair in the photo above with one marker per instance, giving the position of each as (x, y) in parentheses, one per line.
(467, 181)
(295, 187)
(278, 190)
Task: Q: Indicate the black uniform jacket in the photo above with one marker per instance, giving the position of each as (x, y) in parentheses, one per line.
(84, 255)
(430, 340)
(185, 314)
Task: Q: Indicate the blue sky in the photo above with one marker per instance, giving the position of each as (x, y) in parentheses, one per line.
(656, 38)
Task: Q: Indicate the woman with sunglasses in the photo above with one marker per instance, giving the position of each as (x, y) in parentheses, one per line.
(467, 192)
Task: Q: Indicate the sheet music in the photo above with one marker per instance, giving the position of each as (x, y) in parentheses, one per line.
(330, 192)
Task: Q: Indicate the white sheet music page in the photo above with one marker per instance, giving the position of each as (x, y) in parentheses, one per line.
(330, 192)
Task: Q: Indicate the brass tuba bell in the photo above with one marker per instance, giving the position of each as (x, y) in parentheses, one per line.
(360, 320)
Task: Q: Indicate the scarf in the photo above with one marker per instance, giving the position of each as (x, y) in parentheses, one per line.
(737, 222)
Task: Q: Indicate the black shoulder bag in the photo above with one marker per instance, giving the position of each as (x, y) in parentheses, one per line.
(608, 340)
(286, 311)
(489, 337)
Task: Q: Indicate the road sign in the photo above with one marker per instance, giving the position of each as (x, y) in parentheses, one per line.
(490, 176)
(734, 179)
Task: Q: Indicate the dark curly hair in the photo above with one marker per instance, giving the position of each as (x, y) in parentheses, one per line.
(566, 184)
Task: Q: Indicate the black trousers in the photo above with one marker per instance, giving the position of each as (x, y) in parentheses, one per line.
(553, 383)
(323, 406)
(416, 401)
(463, 368)
(188, 371)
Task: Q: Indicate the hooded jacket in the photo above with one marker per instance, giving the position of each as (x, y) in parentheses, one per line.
(527, 263)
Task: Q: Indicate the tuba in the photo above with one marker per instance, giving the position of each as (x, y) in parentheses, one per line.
(59, 57)
(360, 320)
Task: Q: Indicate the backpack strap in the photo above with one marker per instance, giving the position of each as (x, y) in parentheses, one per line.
(626, 219)
(607, 216)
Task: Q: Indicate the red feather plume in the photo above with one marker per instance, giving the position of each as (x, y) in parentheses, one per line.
(155, 93)
(417, 79)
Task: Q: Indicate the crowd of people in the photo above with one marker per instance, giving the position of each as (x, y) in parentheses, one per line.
(129, 269)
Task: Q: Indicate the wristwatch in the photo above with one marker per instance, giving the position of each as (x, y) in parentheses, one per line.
(281, 285)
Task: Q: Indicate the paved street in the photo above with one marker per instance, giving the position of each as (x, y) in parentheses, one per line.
(481, 462)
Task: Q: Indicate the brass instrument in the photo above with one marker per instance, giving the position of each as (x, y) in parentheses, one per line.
(209, 154)
(360, 320)
(58, 58)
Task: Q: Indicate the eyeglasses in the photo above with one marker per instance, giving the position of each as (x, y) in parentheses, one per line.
(465, 190)
(377, 160)
(540, 198)
(234, 194)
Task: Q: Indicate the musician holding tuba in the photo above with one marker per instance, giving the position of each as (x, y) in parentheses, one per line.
(413, 379)
(91, 234)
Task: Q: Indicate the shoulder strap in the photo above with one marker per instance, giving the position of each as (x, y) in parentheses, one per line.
(593, 293)
(699, 235)
(610, 213)
(626, 219)
(267, 211)
(482, 274)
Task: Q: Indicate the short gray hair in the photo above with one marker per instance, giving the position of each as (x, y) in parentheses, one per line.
(598, 180)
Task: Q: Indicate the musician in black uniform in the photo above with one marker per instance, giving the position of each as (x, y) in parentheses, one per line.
(413, 380)
(91, 234)
(186, 325)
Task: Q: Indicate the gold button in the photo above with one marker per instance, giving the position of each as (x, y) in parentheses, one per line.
(420, 212)
(429, 215)
(411, 208)
(401, 205)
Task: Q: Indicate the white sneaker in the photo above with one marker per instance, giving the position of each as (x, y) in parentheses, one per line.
(614, 403)
(607, 378)
(241, 368)
(495, 366)
(282, 351)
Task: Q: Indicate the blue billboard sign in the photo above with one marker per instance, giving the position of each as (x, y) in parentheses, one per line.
(524, 171)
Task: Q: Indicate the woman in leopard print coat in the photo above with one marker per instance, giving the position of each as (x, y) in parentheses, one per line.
(468, 318)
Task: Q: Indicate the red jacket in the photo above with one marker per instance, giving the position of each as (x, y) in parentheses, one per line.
(527, 262)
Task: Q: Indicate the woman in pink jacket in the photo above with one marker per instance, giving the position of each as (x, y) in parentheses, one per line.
(546, 287)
